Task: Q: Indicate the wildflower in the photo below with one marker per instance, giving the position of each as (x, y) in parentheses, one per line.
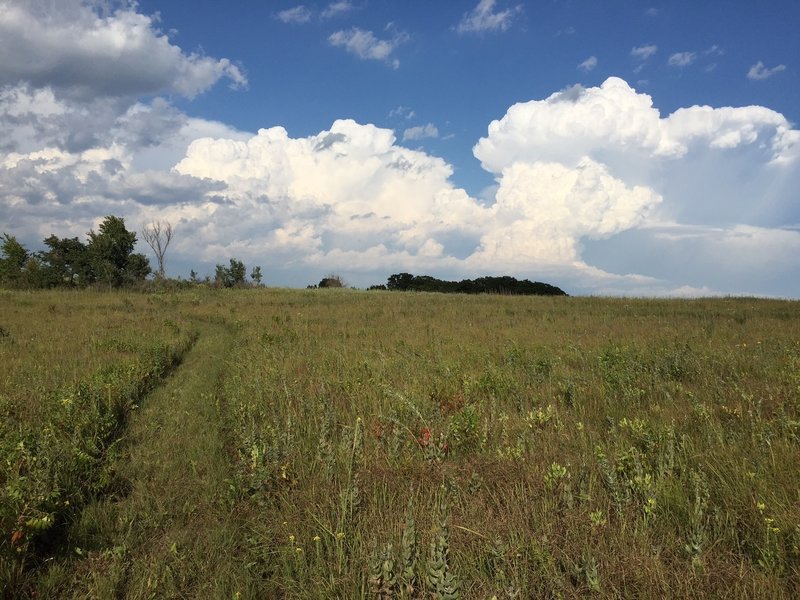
(299, 550)
(760, 506)
(425, 437)
(291, 539)
(339, 535)
(317, 539)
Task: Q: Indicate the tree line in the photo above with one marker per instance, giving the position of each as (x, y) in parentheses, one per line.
(106, 258)
(406, 282)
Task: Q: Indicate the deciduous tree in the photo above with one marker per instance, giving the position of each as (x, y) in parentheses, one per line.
(158, 235)
(111, 253)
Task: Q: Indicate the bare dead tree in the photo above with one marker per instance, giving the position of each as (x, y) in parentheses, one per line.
(158, 236)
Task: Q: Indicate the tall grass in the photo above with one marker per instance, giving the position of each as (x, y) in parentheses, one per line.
(421, 445)
(543, 447)
(72, 368)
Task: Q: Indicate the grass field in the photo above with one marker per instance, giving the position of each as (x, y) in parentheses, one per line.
(339, 444)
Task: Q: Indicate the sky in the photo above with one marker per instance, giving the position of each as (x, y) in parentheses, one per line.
(609, 147)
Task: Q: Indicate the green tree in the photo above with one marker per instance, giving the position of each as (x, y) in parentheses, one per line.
(66, 262)
(111, 254)
(238, 272)
(12, 263)
(400, 281)
(222, 276)
(331, 281)
(255, 275)
(231, 276)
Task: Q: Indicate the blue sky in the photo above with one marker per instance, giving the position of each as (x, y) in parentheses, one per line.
(609, 147)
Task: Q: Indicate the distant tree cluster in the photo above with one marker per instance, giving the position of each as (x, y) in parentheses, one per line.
(230, 276)
(332, 281)
(106, 258)
(482, 285)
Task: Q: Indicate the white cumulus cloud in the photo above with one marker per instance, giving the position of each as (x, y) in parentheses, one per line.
(50, 44)
(621, 126)
(543, 209)
(595, 190)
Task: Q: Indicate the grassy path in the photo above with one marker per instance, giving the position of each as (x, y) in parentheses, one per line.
(174, 534)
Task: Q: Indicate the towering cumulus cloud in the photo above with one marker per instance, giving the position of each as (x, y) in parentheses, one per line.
(699, 178)
(573, 171)
(596, 190)
(349, 191)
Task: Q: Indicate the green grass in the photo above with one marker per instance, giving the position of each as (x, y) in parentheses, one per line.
(334, 443)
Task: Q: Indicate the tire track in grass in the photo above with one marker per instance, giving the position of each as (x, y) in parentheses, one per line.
(175, 533)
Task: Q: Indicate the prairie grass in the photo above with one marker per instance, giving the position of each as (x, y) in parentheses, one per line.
(542, 447)
(420, 445)
(72, 368)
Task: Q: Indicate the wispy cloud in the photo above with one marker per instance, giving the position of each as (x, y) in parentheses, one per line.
(337, 8)
(402, 112)
(652, 12)
(366, 46)
(759, 72)
(589, 64)
(644, 52)
(482, 18)
(682, 59)
(421, 131)
(298, 14)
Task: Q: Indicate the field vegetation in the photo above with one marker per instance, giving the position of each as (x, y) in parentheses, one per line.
(334, 443)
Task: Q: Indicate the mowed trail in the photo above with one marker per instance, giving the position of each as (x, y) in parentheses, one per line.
(174, 534)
